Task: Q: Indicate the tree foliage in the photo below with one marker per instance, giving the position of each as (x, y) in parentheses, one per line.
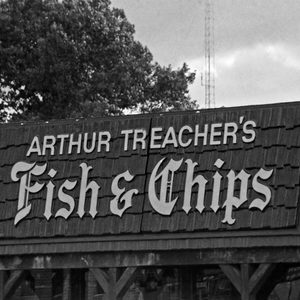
(69, 58)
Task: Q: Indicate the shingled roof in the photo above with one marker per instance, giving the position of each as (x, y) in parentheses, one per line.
(276, 147)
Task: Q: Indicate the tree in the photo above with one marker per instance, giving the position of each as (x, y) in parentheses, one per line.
(69, 58)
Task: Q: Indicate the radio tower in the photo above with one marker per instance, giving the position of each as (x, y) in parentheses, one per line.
(209, 68)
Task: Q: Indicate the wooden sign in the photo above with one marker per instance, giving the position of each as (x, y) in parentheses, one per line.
(204, 171)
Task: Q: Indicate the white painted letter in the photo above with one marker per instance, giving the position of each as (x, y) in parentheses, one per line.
(62, 138)
(232, 201)
(162, 205)
(73, 143)
(84, 187)
(189, 182)
(180, 135)
(104, 141)
(25, 188)
(154, 138)
(34, 147)
(49, 141)
(201, 135)
(251, 131)
(126, 133)
(49, 198)
(92, 144)
(126, 199)
(228, 133)
(216, 186)
(140, 139)
(215, 133)
(69, 200)
(262, 189)
(170, 138)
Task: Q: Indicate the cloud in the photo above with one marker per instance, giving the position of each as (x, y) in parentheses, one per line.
(278, 54)
(257, 74)
(284, 55)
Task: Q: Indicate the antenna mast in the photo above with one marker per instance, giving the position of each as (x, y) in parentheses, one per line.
(209, 68)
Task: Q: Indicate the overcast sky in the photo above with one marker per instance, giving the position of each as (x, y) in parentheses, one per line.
(257, 45)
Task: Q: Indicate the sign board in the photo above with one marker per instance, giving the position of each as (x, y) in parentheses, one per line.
(216, 170)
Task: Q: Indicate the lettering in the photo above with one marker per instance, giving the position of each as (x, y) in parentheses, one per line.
(231, 200)
(67, 199)
(70, 143)
(25, 187)
(133, 139)
(122, 198)
(160, 191)
(189, 183)
(200, 192)
(84, 188)
(161, 203)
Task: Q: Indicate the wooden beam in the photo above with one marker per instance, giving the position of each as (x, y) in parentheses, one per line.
(113, 287)
(233, 275)
(260, 276)
(247, 282)
(149, 258)
(125, 281)
(13, 283)
(101, 277)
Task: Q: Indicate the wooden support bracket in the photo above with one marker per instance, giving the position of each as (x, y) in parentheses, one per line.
(113, 287)
(13, 283)
(125, 281)
(248, 282)
(233, 275)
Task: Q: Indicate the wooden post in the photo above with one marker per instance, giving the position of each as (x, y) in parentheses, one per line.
(111, 293)
(91, 285)
(114, 288)
(248, 282)
(2, 285)
(67, 285)
(245, 281)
